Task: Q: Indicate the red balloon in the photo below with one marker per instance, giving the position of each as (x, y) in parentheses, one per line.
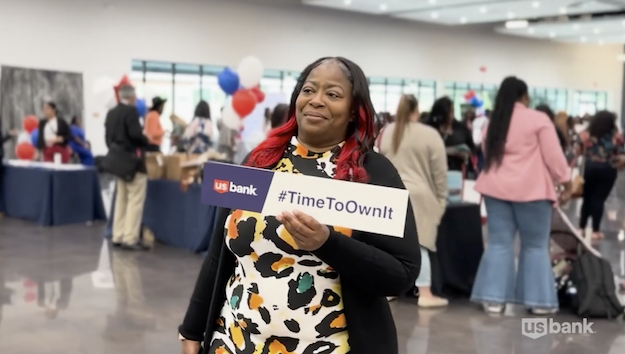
(260, 95)
(30, 296)
(30, 123)
(243, 102)
(25, 151)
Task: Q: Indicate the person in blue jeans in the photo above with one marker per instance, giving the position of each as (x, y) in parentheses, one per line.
(523, 158)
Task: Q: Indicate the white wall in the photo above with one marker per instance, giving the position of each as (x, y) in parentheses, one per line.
(101, 40)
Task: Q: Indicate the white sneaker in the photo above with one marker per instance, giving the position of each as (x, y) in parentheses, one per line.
(432, 302)
(543, 311)
(391, 298)
(495, 309)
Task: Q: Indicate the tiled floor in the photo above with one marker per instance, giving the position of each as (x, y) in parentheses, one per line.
(62, 291)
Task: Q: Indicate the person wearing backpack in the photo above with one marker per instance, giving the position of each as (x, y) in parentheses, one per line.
(198, 136)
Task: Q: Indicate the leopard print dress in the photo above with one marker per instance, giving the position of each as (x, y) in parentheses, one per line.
(280, 300)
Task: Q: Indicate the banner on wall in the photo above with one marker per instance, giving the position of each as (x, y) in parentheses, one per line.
(357, 206)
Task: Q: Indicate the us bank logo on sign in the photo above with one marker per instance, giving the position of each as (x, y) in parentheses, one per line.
(221, 187)
(538, 327)
(357, 206)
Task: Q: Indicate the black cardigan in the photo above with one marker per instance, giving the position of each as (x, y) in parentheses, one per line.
(371, 267)
(62, 129)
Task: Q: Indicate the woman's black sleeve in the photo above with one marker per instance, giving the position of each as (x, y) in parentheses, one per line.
(380, 264)
(194, 323)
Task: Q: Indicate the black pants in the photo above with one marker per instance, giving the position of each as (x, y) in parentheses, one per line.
(599, 178)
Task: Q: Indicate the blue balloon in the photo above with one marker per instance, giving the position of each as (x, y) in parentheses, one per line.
(34, 135)
(141, 107)
(228, 81)
(476, 102)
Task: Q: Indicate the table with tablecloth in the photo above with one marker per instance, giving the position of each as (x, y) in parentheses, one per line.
(460, 247)
(51, 195)
(177, 218)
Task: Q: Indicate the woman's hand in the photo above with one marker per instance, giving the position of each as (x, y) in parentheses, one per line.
(190, 347)
(307, 232)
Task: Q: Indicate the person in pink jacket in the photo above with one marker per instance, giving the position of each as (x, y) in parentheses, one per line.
(523, 165)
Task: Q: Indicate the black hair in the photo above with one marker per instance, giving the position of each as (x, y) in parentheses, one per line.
(469, 116)
(279, 115)
(202, 110)
(362, 107)
(546, 110)
(75, 120)
(602, 124)
(440, 115)
(510, 92)
(52, 105)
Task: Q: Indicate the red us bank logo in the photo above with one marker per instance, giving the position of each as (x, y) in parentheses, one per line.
(221, 186)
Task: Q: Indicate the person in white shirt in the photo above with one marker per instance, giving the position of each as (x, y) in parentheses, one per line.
(479, 124)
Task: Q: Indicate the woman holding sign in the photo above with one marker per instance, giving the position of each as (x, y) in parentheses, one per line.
(289, 283)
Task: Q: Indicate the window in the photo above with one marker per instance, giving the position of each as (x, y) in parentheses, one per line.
(589, 102)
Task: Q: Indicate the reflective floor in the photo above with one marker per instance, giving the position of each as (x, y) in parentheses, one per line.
(63, 291)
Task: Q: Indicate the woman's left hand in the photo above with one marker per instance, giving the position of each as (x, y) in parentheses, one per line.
(307, 232)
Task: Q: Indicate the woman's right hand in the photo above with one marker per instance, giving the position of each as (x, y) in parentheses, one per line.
(190, 347)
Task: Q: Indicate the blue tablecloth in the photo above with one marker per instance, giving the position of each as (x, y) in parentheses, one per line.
(51, 197)
(175, 217)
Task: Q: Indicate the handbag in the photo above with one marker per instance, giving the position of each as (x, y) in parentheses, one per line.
(121, 163)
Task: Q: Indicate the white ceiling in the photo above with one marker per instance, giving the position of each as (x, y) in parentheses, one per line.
(466, 12)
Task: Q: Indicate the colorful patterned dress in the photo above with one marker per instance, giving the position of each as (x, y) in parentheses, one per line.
(280, 300)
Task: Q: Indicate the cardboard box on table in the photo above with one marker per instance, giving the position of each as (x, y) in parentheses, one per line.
(174, 165)
(358, 206)
(155, 165)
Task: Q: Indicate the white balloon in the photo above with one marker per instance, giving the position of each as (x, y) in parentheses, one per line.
(230, 118)
(250, 72)
(23, 137)
(103, 84)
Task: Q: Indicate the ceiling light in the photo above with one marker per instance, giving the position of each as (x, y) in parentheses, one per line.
(517, 24)
(563, 10)
(511, 15)
(434, 15)
(463, 20)
(530, 30)
(483, 9)
(583, 39)
(576, 27)
(347, 2)
(552, 35)
(536, 4)
(432, 2)
(383, 7)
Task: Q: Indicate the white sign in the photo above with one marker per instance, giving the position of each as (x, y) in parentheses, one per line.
(538, 327)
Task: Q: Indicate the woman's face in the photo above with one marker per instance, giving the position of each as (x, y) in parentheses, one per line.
(323, 106)
(48, 111)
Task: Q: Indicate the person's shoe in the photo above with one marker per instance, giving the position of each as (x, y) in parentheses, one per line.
(429, 302)
(493, 309)
(135, 247)
(539, 311)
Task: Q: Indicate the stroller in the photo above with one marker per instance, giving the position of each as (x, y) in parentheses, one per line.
(566, 244)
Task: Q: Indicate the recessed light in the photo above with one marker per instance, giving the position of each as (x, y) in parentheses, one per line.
(434, 15)
(552, 35)
(483, 9)
(530, 30)
(463, 20)
(536, 4)
(432, 2)
(511, 15)
(383, 7)
(583, 39)
(563, 10)
(347, 2)
(596, 31)
(576, 27)
(516, 24)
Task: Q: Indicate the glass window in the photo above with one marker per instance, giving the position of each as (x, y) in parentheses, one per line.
(394, 90)
(160, 84)
(377, 88)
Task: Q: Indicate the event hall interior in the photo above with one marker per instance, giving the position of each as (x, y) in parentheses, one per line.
(66, 277)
